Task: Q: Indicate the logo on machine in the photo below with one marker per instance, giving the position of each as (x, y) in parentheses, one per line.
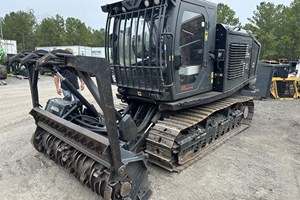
(55, 109)
(186, 88)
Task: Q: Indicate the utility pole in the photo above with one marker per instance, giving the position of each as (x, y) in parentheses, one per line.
(1, 31)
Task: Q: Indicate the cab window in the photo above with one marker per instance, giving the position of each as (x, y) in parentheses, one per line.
(191, 45)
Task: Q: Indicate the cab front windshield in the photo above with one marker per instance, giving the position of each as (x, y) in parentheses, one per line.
(133, 38)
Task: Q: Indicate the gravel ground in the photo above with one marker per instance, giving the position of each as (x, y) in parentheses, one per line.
(262, 162)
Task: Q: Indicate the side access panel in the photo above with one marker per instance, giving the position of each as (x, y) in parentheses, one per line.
(237, 54)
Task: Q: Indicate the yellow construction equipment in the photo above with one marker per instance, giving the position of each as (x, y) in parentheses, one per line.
(290, 86)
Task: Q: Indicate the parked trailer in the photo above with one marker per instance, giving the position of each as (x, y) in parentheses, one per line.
(98, 52)
(76, 50)
(79, 50)
(9, 46)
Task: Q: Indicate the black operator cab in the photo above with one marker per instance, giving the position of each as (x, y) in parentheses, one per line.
(160, 49)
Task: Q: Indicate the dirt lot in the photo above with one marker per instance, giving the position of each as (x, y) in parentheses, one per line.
(263, 162)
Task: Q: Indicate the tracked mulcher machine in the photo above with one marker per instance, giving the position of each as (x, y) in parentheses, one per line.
(179, 75)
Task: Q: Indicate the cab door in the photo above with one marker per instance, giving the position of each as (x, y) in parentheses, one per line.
(194, 74)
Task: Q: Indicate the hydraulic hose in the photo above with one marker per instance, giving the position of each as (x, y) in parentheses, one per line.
(91, 127)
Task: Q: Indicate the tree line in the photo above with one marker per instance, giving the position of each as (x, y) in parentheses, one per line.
(51, 31)
(277, 27)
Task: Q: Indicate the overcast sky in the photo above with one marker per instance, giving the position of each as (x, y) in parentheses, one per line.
(89, 11)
